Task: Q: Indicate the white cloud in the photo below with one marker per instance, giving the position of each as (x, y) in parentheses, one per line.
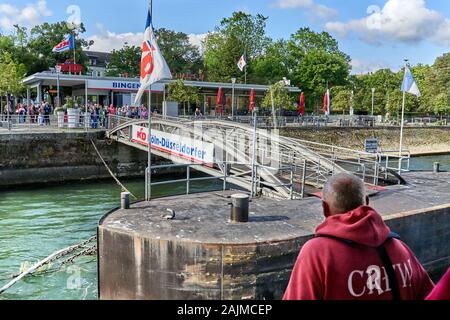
(319, 10)
(107, 41)
(360, 66)
(197, 40)
(406, 21)
(29, 16)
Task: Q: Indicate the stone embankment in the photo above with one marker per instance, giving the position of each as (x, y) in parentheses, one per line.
(419, 141)
(42, 158)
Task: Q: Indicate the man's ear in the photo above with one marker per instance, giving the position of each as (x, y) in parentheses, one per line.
(367, 200)
(326, 209)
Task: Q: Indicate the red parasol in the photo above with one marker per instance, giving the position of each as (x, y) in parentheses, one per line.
(325, 103)
(252, 100)
(301, 107)
(220, 101)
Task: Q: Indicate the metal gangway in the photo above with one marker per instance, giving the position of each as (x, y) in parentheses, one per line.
(281, 168)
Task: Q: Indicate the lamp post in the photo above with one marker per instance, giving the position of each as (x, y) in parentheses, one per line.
(373, 100)
(233, 81)
(254, 169)
(58, 70)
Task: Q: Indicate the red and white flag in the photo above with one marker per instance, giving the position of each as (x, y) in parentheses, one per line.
(327, 103)
(153, 65)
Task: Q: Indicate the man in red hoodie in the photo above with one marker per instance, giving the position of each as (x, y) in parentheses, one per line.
(354, 255)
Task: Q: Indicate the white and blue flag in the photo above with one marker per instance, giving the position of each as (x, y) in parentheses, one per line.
(409, 84)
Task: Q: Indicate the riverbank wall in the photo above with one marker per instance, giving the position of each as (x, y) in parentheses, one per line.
(419, 141)
(44, 158)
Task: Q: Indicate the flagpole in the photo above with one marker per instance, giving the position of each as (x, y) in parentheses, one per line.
(254, 184)
(245, 74)
(74, 51)
(149, 111)
(245, 57)
(401, 135)
(400, 162)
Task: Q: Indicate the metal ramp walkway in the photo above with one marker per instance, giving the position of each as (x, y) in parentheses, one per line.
(283, 167)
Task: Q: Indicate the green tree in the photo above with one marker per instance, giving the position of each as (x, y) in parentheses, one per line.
(305, 40)
(281, 98)
(125, 61)
(183, 94)
(316, 60)
(341, 101)
(11, 75)
(317, 69)
(395, 101)
(273, 65)
(180, 54)
(45, 36)
(225, 46)
(384, 81)
(441, 104)
(434, 82)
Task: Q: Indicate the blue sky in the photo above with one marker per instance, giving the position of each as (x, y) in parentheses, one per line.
(375, 33)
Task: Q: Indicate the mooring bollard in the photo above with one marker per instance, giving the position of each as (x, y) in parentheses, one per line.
(436, 167)
(125, 200)
(240, 207)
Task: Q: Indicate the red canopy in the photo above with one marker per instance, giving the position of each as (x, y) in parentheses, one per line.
(252, 100)
(301, 107)
(220, 101)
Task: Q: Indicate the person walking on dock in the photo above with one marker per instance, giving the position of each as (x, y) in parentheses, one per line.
(354, 255)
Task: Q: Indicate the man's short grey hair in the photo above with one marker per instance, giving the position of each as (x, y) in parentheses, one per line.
(344, 192)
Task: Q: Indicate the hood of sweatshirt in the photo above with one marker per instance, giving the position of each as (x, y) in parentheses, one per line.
(362, 225)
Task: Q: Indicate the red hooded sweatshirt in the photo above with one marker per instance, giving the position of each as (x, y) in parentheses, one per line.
(330, 269)
(442, 289)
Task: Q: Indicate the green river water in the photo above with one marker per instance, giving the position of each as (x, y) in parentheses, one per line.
(37, 222)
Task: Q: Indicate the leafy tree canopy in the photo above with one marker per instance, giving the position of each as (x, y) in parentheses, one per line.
(279, 97)
(125, 61)
(180, 54)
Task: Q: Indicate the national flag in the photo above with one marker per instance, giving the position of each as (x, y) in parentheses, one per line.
(242, 62)
(409, 84)
(252, 100)
(327, 103)
(67, 44)
(153, 65)
(301, 106)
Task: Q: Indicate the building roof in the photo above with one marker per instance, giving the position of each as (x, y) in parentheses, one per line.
(49, 78)
(102, 58)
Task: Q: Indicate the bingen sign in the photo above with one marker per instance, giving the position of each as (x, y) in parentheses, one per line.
(371, 145)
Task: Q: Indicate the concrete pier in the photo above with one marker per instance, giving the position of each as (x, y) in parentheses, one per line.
(201, 254)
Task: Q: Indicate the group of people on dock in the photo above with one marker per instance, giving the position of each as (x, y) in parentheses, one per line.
(100, 114)
(36, 113)
(40, 113)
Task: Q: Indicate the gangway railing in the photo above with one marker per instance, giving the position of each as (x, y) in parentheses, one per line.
(310, 163)
(190, 179)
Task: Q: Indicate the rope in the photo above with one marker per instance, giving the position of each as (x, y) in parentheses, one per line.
(111, 173)
(54, 256)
